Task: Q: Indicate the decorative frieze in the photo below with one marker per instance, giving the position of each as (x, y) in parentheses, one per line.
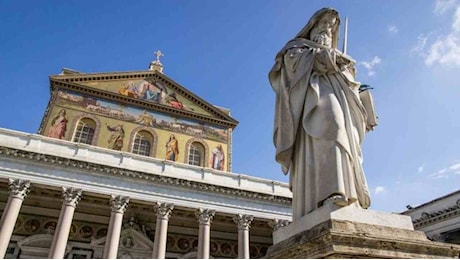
(18, 188)
(145, 177)
(440, 215)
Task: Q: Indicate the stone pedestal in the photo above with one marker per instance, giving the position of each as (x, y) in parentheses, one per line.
(355, 233)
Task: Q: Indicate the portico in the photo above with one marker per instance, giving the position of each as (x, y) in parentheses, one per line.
(157, 221)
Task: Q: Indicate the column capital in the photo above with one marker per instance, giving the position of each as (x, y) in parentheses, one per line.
(163, 210)
(275, 224)
(119, 203)
(71, 196)
(243, 221)
(205, 216)
(18, 188)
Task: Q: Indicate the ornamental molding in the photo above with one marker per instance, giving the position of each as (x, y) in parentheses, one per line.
(93, 168)
(205, 216)
(73, 83)
(71, 196)
(276, 224)
(119, 203)
(164, 210)
(438, 216)
(243, 221)
(18, 188)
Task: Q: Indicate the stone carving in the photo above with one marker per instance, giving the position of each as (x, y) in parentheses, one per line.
(427, 219)
(219, 248)
(243, 221)
(18, 188)
(50, 227)
(98, 168)
(164, 210)
(205, 216)
(86, 231)
(320, 120)
(71, 196)
(128, 242)
(275, 224)
(32, 225)
(119, 203)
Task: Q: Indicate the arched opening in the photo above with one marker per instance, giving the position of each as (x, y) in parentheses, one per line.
(142, 144)
(84, 132)
(196, 154)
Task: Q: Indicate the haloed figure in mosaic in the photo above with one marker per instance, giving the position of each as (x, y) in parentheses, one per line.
(319, 118)
(172, 149)
(58, 125)
(116, 138)
(218, 158)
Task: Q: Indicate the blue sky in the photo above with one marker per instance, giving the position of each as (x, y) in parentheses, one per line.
(409, 51)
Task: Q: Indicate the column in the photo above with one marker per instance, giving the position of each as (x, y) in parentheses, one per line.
(244, 222)
(118, 205)
(276, 224)
(71, 197)
(164, 211)
(18, 191)
(204, 219)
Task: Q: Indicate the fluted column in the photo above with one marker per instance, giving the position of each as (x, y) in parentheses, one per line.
(71, 197)
(244, 222)
(164, 211)
(18, 191)
(204, 219)
(118, 205)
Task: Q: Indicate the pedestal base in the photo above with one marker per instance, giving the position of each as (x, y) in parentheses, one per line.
(355, 233)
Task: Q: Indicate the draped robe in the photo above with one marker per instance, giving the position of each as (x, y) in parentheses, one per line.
(319, 125)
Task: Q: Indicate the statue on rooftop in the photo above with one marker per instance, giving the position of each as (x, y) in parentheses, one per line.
(320, 120)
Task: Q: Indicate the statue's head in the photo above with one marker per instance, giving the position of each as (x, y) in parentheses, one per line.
(323, 28)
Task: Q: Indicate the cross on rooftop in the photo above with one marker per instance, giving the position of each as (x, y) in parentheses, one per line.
(159, 54)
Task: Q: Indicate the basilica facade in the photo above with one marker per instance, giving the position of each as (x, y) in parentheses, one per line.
(132, 165)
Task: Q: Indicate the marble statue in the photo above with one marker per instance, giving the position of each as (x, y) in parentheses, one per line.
(320, 120)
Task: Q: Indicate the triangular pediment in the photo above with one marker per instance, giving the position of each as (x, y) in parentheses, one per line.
(149, 89)
(133, 244)
(130, 238)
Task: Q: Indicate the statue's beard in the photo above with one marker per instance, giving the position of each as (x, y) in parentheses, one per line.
(322, 38)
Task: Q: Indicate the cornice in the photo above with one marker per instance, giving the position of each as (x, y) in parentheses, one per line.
(438, 216)
(95, 168)
(72, 82)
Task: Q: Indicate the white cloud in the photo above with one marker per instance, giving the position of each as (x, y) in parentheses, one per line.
(393, 29)
(453, 169)
(420, 169)
(379, 189)
(441, 6)
(420, 46)
(369, 65)
(446, 49)
(456, 23)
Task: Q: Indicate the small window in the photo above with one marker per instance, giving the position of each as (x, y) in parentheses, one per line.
(143, 143)
(195, 154)
(84, 132)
